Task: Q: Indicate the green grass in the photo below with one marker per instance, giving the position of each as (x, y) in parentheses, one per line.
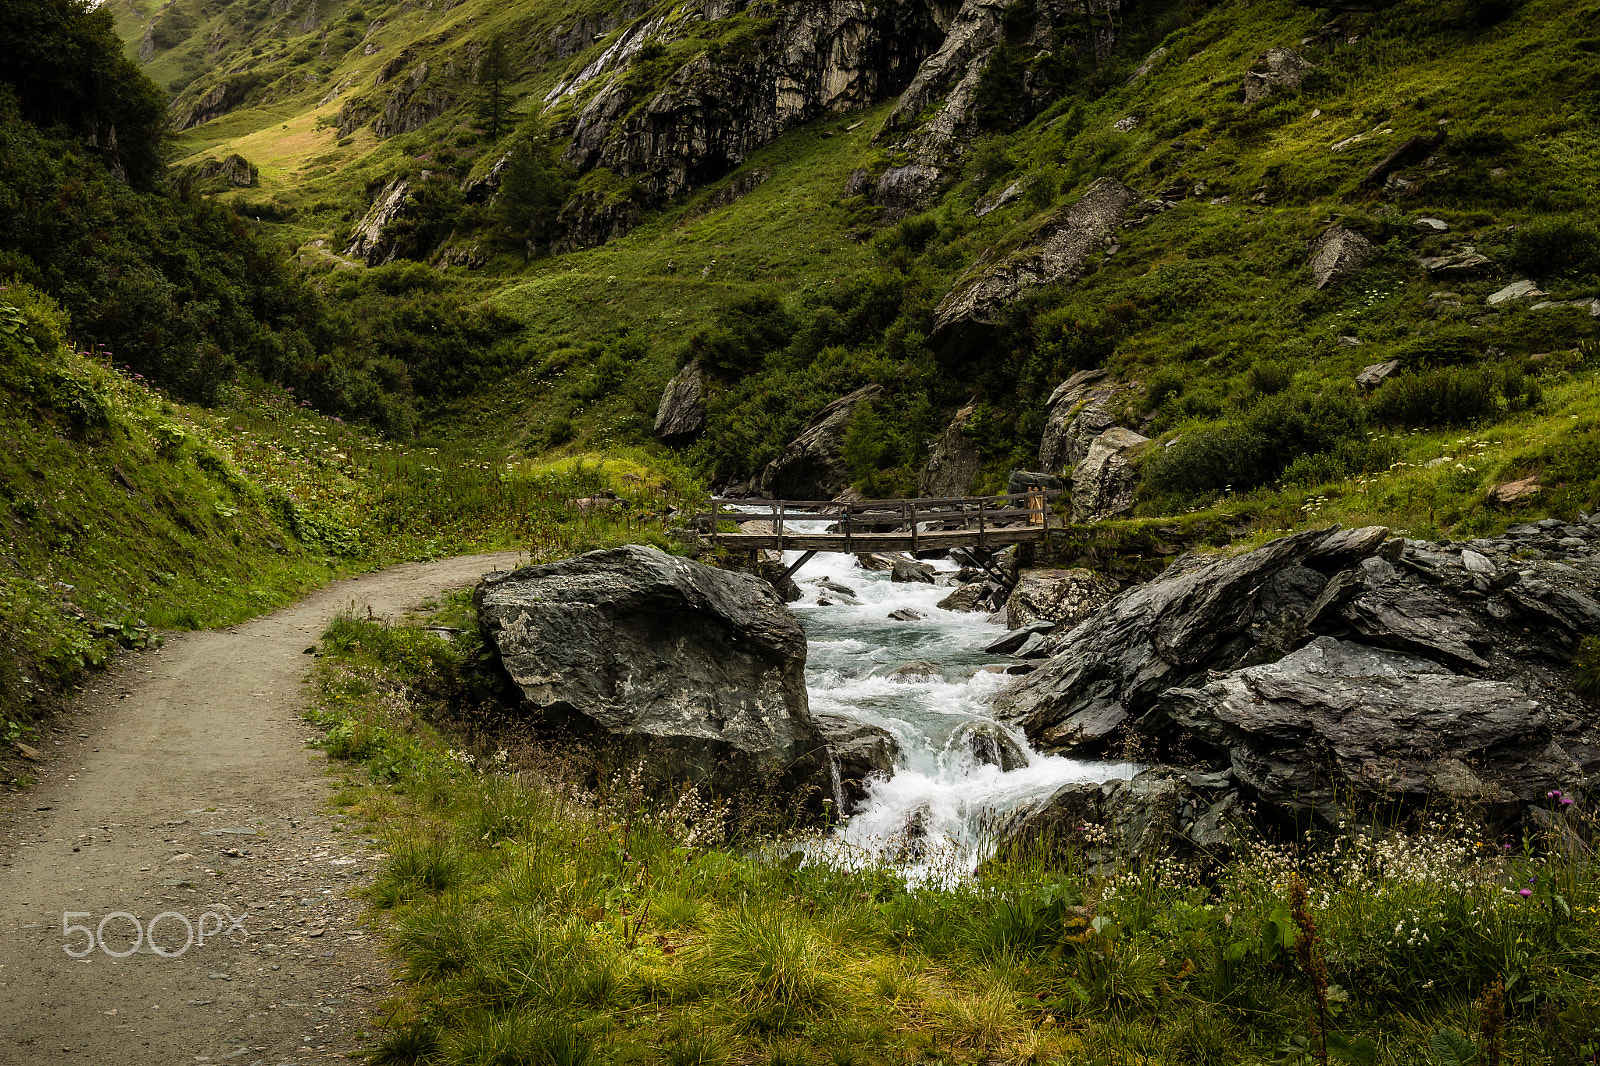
(538, 914)
(130, 513)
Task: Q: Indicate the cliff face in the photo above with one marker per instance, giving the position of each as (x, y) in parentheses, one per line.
(794, 63)
(802, 61)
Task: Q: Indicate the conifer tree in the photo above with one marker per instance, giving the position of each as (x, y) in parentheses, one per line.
(494, 74)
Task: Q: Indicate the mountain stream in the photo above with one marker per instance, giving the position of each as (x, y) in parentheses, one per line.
(934, 818)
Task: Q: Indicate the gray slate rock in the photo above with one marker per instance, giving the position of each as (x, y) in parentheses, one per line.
(860, 752)
(1016, 638)
(1279, 68)
(1065, 597)
(1104, 482)
(1337, 718)
(1151, 637)
(699, 671)
(954, 463)
(681, 414)
(909, 571)
(1373, 376)
(1337, 254)
(1162, 813)
(987, 744)
(1079, 410)
(1059, 254)
(812, 466)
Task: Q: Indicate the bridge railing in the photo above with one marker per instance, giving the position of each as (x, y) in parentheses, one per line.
(974, 513)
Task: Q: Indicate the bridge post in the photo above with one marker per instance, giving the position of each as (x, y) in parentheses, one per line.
(780, 525)
(911, 520)
(980, 523)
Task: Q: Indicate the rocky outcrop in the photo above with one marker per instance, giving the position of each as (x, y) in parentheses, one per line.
(954, 463)
(681, 414)
(1082, 407)
(699, 671)
(815, 57)
(234, 171)
(1065, 597)
(933, 132)
(217, 101)
(369, 241)
(592, 218)
(812, 466)
(861, 753)
(1103, 483)
(985, 596)
(1162, 813)
(1336, 717)
(1058, 253)
(414, 104)
(1337, 254)
(1279, 68)
(1344, 663)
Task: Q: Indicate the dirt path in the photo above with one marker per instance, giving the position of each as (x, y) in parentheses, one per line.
(182, 786)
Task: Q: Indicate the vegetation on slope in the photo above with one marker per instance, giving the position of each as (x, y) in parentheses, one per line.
(807, 292)
(128, 512)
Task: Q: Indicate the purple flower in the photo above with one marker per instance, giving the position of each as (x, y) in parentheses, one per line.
(1554, 794)
(1566, 801)
(1525, 893)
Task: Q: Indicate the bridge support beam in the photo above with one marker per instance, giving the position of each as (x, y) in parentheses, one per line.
(798, 563)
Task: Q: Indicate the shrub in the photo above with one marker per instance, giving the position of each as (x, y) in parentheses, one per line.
(1254, 450)
(1586, 669)
(1448, 396)
(1556, 247)
(1269, 376)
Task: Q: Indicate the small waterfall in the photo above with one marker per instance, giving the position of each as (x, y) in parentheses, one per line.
(838, 784)
(936, 816)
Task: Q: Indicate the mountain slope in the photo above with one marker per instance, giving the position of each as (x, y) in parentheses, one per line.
(1253, 135)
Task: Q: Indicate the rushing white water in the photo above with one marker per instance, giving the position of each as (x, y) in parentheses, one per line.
(932, 817)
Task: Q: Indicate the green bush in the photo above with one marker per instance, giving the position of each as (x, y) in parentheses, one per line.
(1448, 396)
(1586, 669)
(1556, 247)
(1254, 449)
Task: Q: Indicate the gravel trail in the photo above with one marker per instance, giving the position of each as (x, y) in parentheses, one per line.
(181, 786)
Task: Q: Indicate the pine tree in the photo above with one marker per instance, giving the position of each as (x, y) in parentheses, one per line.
(532, 189)
(494, 73)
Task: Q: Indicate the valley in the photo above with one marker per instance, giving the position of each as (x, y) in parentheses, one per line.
(367, 368)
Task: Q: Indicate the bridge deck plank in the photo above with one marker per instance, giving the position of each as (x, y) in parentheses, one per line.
(882, 542)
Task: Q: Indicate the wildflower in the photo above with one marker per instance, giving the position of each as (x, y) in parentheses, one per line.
(1566, 801)
(1553, 794)
(1525, 893)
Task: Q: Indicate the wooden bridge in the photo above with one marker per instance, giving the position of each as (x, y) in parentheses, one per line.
(881, 525)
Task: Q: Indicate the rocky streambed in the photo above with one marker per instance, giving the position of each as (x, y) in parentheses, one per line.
(1323, 672)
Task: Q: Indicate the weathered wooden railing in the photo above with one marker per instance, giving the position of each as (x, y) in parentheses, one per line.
(882, 525)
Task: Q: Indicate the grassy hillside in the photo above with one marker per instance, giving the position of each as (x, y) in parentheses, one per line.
(127, 512)
(1207, 304)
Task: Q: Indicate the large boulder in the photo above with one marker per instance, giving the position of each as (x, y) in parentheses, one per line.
(812, 466)
(681, 415)
(1338, 721)
(861, 753)
(1058, 252)
(954, 463)
(1156, 636)
(699, 671)
(1343, 663)
(1279, 68)
(1065, 597)
(1162, 813)
(1337, 254)
(1103, 483)
(1081, 408)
